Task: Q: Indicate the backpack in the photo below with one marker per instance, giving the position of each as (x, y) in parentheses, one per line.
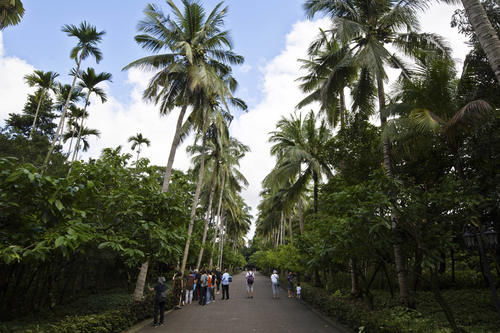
(250, 279)
(190, 282)
(230, 278)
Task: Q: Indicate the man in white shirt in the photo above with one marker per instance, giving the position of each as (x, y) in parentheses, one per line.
(250, 278)
(225, 285)
(275, 282)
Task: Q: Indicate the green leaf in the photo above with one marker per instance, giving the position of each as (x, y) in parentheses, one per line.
(59, 205)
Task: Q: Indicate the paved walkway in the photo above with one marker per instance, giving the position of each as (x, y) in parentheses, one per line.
(239, 314)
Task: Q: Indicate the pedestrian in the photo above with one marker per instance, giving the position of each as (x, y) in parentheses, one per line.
(190, 285)
(226, 278)
(212, 287)
(160, 290)
(209, 285)
(298, 290)
(250, 278)
(197, 287)
(218, 274)
(275, 283)
(290, 284)
(203, 287)
(177, 287)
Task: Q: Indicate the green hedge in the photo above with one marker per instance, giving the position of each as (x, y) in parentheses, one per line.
(108, 321)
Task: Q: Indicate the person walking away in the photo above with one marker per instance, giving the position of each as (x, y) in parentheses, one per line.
(225, 285)
(218, 274)
(160, 290)
(197, 287)
(189, 288)
(177, 286)
(212, 287)
(298, 290)
(209, 285)
(275, 283)
(203, 287)
(250, 277)
(290, 284)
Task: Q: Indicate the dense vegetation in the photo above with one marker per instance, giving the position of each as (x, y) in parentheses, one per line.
(363, 212)
(367, 202)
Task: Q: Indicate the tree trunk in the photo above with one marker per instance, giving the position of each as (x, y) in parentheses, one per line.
(63, 115)
(290, 229)
(221, 242)
(355, 291)
(141, 281)
(72, 136)
(77, 145)
(195, 204)
(301, 217)
(399, 259)
(173, 147)
(217, 229)
(485, 33)
(342, 108)
(36, 113)
(209, 210)
(440, 300)
(315, 180)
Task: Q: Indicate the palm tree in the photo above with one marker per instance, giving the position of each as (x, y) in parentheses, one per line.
(486, 34)
(84, 134)
(368, 27)
(76, 113)
(199, 54)
(11, 12)
(88, 38)
(137, 141)
(299, 144)
(89, 81)
(45, 81)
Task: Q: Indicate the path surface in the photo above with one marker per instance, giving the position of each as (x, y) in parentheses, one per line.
(239, 314)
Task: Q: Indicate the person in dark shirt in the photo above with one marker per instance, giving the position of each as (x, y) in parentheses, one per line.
(197, 289)
(160, 290)
(218, 276)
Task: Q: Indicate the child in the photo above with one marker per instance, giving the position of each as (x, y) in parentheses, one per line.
(298, 290)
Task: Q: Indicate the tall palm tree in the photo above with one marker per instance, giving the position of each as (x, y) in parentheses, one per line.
(368, 27)
(76, 113)
(84, 134)
(88, 38)
(486, 34)
(198, 52)
(11, 13)
(137, 141)
(88, 82)
(299, 146)
(44, 81)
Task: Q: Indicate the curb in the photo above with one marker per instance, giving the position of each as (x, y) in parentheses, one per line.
(139, 326)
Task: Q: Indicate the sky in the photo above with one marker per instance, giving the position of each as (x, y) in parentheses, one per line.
(270, 34)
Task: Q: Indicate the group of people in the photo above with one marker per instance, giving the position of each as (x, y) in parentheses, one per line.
(198, 286)
(203, 285)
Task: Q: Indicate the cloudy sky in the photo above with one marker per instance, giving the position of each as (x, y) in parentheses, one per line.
(270, 34)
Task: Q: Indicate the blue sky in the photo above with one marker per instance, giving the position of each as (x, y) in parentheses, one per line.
(270, 34)
(258, 29)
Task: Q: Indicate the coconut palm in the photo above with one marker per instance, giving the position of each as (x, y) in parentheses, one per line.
(198, 52)
(137, 141)
(44, 81)
(88, 38)
(299, 146)
(486, 34)
(11, 13)
(88, 82)
(369, 28)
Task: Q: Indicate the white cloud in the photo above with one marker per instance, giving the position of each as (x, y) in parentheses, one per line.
(13, 89)
(244, 68)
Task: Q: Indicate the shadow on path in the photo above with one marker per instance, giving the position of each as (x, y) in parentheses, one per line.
(240, 314)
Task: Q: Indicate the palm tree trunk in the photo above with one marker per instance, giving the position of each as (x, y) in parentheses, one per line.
(195, 202)
(221, 243)
(342, 108)
(138, 153)
(175, 143)
(36, 113)
(290, 229)
(72, 136)
(209, 210)
(141, 281)
(355, 291)
(217, 229)
(77, 146)
(315, 196)
(485, 33)
(400, 261)
(63, 115)
(301, 217)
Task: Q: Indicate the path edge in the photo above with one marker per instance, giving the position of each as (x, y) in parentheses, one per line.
(139, 326)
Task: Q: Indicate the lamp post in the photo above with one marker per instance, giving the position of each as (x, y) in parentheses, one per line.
(488, 238)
